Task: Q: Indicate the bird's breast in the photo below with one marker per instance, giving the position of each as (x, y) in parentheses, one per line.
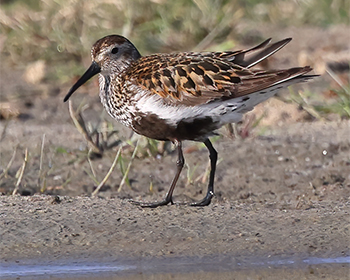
(115, 100)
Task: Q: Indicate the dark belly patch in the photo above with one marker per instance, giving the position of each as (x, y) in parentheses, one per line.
(193, 129)
(152, 126)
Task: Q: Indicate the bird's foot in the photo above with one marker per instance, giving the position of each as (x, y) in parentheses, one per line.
(205, 201)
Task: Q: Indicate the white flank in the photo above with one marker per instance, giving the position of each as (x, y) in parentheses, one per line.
(222, 112)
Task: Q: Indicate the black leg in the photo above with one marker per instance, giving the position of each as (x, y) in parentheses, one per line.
(213, 155)
(169, 196)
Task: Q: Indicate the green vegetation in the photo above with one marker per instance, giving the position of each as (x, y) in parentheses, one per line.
(338, 104)
(61, 32)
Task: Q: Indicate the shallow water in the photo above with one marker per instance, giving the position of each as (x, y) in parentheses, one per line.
(224, 267)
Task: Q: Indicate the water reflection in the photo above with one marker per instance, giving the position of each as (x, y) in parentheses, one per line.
(157, 266)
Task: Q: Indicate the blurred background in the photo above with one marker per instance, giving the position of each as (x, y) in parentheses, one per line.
(45, 47)
(60, 33)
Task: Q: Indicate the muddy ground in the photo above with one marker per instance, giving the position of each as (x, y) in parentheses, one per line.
(283, 190)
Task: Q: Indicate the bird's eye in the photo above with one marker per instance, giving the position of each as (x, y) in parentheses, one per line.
(115, 50)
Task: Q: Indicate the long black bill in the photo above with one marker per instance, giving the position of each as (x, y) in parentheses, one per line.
(92, 71)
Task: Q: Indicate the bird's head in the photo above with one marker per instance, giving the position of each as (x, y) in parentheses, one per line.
(111, 54)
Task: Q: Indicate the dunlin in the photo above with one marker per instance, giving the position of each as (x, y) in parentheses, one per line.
(183, 96)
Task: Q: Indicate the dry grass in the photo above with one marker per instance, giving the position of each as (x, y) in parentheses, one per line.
(61, 32)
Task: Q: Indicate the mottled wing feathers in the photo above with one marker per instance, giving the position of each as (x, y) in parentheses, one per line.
(198, 78)
(187, 77)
